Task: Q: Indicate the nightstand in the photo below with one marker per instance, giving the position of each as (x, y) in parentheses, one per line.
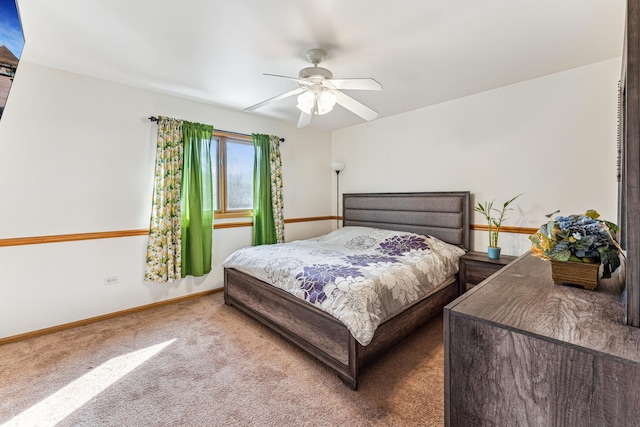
(476, 266)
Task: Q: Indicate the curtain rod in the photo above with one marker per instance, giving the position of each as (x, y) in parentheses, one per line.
(155, 119)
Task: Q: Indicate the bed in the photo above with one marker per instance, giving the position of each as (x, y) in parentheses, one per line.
(443, 215)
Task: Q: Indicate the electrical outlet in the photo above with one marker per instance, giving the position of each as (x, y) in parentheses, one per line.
(111, 280)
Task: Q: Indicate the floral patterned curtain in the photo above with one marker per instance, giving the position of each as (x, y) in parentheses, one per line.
(165, 231)
(277, 200)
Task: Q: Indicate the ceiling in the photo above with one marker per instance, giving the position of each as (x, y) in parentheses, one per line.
(422, 51)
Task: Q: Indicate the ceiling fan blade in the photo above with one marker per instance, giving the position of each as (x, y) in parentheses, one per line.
(295, 79)
(355, 84)
(276, 98)
(304, 119)
(355, 107)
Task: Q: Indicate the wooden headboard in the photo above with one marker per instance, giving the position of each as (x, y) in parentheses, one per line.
(444, 215)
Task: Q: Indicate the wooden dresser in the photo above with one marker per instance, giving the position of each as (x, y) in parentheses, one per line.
(520, 350)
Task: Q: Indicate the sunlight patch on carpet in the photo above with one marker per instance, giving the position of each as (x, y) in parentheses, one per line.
(62, 403)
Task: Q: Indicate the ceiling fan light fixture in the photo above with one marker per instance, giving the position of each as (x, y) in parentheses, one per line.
(306, 102)
(326, 100)
(319, 92)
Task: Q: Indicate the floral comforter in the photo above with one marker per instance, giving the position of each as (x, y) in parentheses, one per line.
(361, 276)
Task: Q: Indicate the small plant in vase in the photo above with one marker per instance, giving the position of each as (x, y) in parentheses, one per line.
(494, 217)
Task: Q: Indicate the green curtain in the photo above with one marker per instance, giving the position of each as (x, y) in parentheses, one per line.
(264, 230)
(197, 200)
(163, 262)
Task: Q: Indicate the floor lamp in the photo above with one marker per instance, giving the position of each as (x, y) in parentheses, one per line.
(337, 167)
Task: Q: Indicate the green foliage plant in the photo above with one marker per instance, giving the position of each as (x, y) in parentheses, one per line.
(579, 238)
(494, 221)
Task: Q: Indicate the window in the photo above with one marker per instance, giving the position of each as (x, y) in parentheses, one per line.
(233, 157)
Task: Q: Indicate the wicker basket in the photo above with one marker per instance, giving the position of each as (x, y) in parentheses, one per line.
(575, 274)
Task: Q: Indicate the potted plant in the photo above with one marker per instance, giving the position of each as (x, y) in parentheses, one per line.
(577, 245)
(494, 222)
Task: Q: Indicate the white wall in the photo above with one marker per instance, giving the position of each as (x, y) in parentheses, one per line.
(552, 138)
(77, 156)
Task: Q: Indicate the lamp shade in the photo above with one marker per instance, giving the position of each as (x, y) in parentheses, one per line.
(317, 100)
(325, 102)
(306, 102)
(337, 166)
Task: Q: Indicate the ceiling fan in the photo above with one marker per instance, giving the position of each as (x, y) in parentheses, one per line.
(319, 92)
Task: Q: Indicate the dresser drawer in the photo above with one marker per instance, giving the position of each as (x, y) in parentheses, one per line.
(476, 266)
(477, 273)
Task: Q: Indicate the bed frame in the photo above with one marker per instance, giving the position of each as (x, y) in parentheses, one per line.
(444, 215)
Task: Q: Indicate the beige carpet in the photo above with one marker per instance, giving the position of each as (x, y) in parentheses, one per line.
(202, 363)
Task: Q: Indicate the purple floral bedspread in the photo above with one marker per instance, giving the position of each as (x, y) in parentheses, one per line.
(361, 276)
